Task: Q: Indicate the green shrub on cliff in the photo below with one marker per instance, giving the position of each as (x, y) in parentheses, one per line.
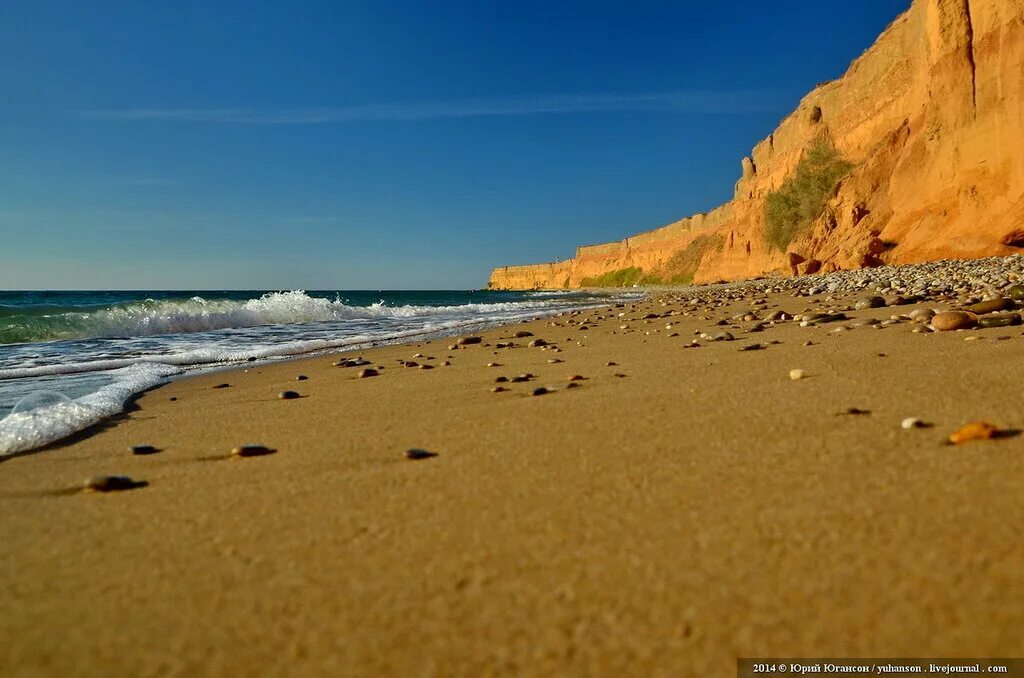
(624, 277)
(684, 263)
(791, 208)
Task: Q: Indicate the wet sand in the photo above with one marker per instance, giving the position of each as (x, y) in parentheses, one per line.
(702, 507)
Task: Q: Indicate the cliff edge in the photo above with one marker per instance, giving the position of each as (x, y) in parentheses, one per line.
(915, 153)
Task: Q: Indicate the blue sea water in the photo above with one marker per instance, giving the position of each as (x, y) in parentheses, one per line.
(70, 359)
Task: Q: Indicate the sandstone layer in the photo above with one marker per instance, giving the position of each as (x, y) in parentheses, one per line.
(932, 118)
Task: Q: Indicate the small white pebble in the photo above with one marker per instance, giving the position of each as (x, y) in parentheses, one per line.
(796, 375)
(911, 422)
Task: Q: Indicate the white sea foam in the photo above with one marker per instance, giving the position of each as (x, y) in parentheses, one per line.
(156, 317)
(28, 427)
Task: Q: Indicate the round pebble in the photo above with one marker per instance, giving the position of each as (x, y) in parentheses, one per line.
(112, 483)
(953, 320)
(796, 375)
(288, 395)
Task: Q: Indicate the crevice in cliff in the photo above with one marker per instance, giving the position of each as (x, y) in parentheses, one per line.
(970, 58)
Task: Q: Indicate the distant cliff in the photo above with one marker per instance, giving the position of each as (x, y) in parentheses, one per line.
(926, 129)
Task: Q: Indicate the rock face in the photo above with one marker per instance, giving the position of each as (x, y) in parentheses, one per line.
(932, 116)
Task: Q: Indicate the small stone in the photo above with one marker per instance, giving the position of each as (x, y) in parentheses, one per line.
(913, 422)
(172, 399)
(620, 375)
(576, 377)
(573, 384)
(288, 395)
(501, 380)
(417, 355)
(752, 347)
(610, 364)
(869, 302)
(426, 367)
(221, 386)
(977, 430)
(466, 341)
(252, 450)
(953, 320)
(521, 378)
(522, 334)
(498, 389)
(555, 360)
(723, 336)
(537, 342)
(540, 390)
(368, 372)
(1000, 320)
(991, 306)
(112, 483)
(494, 364)
(301, 377)
(1016, 292)
(416, 454)
(144, 449)
(855, 411)
(796, 375)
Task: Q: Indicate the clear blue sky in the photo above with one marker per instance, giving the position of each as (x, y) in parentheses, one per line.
(201, 144)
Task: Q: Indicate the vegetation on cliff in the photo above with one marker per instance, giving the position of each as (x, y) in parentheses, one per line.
(791, 208)
(684, 263)
(624, 277)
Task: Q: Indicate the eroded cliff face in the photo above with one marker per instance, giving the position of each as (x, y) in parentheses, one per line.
(932, 116)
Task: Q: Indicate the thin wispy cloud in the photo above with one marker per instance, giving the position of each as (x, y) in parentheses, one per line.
(707, 102)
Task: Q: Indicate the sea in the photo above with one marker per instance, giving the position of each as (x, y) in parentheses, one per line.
(70, 359)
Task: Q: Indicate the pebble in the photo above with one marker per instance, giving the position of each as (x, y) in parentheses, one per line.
(796, 375)
(540, 390)
(466, 341)
(573, 384)
(576, 377)
(1000, 320)
(522, 334)
(112, 483)
(494, 364)
(991, 306)
(498, 389)
(288, 395)
(144, 449)
(869, 302)
(251, 450)
(723, 336)
(501, 380)
(752, 347)
(416, 454)
(610, 364)
(368, 372)
(953, 320)
(555, 360)
(426, 367)
(301, 377)
(1015, 292)
(976, 430)
(521, 378)
(537, 342)
(913, 422)
(221, 386)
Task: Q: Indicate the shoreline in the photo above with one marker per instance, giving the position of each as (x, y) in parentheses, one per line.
(701, 507)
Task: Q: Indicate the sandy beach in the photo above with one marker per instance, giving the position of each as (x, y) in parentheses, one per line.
(678, 509)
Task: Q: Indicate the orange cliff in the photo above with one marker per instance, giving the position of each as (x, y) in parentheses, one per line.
(931, 115)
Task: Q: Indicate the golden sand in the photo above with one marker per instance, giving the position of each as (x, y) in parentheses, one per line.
(702, 507)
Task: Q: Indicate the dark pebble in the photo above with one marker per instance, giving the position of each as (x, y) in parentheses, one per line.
(417, 454)
(501, 380)
(540, 390)
(537, 342)
(113, 483)
(1001, 320)
(466, 341)
(288, 395)
(301, 377)
(252, 451)
(221, 386)
(522, 334)
(144, 449)
(368, 372)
